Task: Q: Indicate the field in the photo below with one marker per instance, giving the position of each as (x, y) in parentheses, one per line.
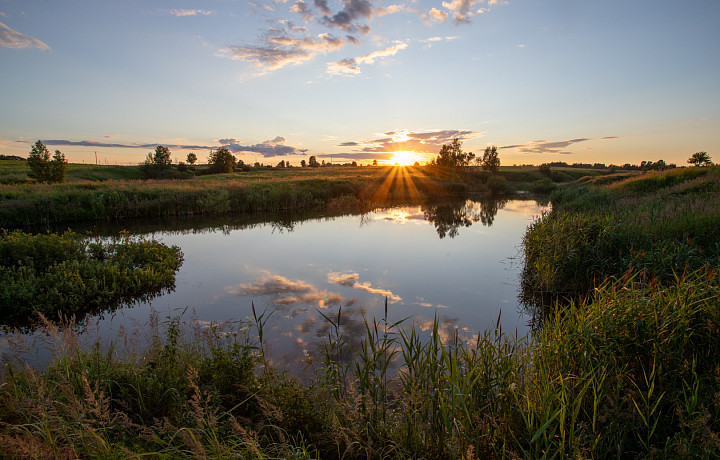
(624, 363)
(93, 193)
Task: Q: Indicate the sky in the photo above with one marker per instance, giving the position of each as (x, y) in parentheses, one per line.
(579, 81)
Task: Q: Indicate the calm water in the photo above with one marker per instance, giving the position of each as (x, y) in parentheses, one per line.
(459, 261)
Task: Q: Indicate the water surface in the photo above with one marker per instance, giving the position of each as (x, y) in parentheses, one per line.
(457, 261)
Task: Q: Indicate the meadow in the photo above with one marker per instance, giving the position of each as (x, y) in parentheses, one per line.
(624, 363)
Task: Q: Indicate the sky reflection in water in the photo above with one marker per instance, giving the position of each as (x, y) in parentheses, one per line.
(458, 261)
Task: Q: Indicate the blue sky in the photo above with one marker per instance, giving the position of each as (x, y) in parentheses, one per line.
(544, 80)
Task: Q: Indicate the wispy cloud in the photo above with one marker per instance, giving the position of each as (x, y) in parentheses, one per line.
(284, 291)
(555, 147)
(690, 122)
(405, 140)
(10, 38)
(281, 48)
(181, 12)
(351, 280)
(270, 148)
(352, 65)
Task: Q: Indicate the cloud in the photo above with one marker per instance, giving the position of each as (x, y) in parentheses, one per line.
(181, 12)
(437, 15)
(10, 38)
(281, 49)
(399, 140)
(351, 65)
(690, 122)
(271, 148)
(346, 18)
(351, 280)
(303, 9)
(556, 147)
(284, 291)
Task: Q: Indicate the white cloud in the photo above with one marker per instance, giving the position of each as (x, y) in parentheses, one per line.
(181, 12)
(10, 38)
(351, 65)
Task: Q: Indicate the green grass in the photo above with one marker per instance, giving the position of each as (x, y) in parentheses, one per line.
(657, 224)
(631, 372)
(71, 275)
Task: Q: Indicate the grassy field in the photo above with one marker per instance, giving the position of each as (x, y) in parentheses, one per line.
(93, 193)
(627, 365)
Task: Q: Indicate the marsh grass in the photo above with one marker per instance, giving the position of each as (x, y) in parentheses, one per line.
(73, 274)
(631, 372)
(656, 224)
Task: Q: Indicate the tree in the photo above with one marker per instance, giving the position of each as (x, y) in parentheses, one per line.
(58, 167)
(697, 159)
(452, 155)
(281, 164)
(191, 158)
(302, 163)
(157, 164)
(221, 161)
(42, 169)
(491, 160)
(312, 162)
(374, 162)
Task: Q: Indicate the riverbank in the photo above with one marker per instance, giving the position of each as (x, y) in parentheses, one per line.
(627, 367)
(96, 193)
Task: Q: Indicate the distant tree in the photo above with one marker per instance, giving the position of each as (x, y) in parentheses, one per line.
(191, 158)
(452, 155)
(39, 162)
(58, 167)
(157, 163)
(303, 163)
(374, 162)
(42, 168)
(312, 162)
(281, 164)
(354, 163)
(697, 159)
(491, 160)
(417, 163)
(544, 169)
(221, 161)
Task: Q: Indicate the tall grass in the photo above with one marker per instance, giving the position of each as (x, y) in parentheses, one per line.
(38, 204)
(631, 372)
(657, 224)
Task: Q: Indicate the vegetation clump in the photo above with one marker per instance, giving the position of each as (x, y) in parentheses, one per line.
(657, 224)
(70, 274)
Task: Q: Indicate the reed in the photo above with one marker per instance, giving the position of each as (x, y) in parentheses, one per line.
(630, 372)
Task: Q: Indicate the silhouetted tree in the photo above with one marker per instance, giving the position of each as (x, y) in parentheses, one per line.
(191, 158)
(700, 159)
(374, 162)
(221, 161)
(281, 164)
(491, 160)
(58, 167)
(312, 162)
(452, 155)
(302, 163)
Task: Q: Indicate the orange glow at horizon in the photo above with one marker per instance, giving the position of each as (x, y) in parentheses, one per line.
(405, 158)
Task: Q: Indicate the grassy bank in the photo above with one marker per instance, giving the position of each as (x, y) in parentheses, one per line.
(93, 193)
(34, 204)
(657, 225)
(70, 274)
(631, 373)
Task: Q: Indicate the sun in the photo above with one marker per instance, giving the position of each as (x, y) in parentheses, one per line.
(404, 158)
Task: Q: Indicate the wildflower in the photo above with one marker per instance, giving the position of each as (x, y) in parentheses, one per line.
(513, 386)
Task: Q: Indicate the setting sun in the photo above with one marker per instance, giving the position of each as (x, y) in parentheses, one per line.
(405, 158)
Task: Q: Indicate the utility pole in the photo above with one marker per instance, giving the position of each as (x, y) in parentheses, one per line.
(95, 158)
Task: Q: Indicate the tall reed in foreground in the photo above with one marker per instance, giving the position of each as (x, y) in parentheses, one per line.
(631, 372)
